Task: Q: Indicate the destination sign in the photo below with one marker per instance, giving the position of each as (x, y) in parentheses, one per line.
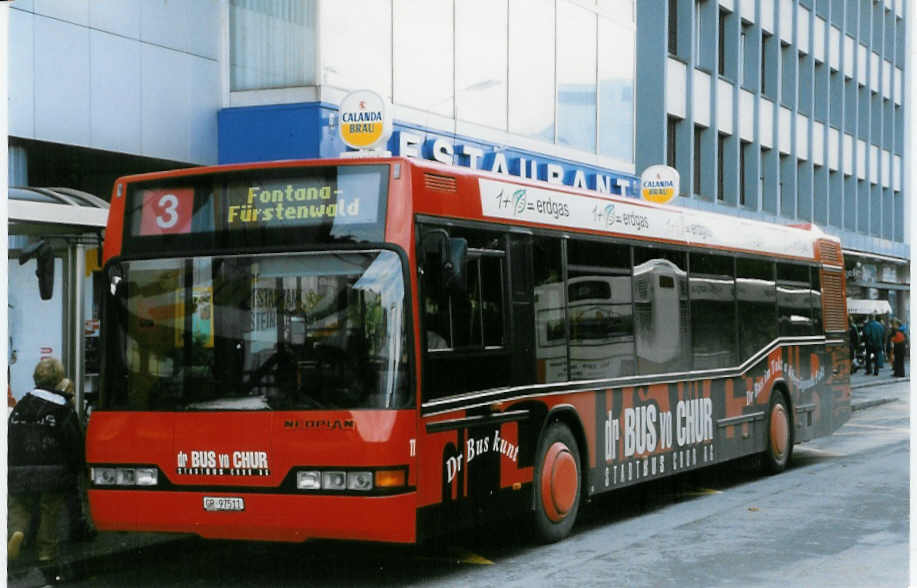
(342, 201)
(293, 203)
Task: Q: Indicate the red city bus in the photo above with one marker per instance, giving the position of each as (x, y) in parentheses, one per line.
(383, 349)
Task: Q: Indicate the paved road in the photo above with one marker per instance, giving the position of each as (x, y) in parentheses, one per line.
(838, 517)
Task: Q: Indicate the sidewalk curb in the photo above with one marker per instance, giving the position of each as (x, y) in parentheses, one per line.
(886, 382)
(871, 403)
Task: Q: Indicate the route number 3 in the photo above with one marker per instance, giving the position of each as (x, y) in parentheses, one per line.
(169, 205)
(166, 212)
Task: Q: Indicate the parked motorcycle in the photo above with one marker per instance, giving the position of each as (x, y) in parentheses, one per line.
(859, 358)
(860, 354)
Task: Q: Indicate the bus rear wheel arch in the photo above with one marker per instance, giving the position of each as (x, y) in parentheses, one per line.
(558, 483)
(779, 448)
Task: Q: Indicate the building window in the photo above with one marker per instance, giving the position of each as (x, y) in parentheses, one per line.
(747, 56)
(782, 175)
(480, 62)
(271, 44)
(616, 89)
(765, 45)
(531, 68)
(743, 172)
(743, 39)
(423, 55)
(673, 27)
(670, 130)
(721, 47)
(720, 167)
(698, 29)
(576, 77)
(697, 162)
(789, 65)
(371, 67)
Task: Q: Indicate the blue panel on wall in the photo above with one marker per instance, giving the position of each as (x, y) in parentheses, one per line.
(266, 133)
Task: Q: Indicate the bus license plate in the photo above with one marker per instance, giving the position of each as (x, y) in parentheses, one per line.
(221, 503)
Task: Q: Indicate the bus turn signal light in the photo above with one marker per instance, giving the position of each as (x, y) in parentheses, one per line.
(391, 478)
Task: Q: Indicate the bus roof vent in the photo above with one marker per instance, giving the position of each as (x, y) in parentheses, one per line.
(439, 183)
(829, 252)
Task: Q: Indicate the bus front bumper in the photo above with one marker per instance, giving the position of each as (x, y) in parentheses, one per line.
(263, 517)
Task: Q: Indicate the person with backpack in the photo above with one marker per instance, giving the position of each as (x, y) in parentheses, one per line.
(45, 456)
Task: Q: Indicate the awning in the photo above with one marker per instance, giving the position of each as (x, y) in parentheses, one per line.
(855, 306)
(55, 206)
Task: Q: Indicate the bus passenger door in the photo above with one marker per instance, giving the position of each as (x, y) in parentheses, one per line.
(522, 317)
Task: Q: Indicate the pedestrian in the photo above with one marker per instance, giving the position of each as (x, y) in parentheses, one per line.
(888, 348)
(899, 340)
(853, 337)
(81, 528)
(875, 339)
(45, 454)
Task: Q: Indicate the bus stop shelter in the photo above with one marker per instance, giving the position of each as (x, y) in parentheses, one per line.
(66, 326)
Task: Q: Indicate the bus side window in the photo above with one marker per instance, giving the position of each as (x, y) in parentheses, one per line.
(815, 298)
(465, 331)
(600, 309)
(713, 311)
(661, 323)
(794, 305)
(757, 301)
(550, 311)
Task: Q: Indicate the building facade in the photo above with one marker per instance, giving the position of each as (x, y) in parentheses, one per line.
(791, 111)
(539, 88)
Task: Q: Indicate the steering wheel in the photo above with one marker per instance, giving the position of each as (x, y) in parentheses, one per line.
(338, 376)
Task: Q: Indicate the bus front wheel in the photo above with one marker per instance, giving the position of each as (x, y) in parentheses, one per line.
(779, 435)
(557, 482)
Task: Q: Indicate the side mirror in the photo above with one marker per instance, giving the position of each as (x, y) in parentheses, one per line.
(449, 254)
(44, 256)
(454, 264)
(116, 279)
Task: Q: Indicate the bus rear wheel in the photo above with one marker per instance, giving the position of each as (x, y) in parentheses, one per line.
(779, 448)
(558, 487)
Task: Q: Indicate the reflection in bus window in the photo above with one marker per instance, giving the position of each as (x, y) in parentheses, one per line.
(550, 315)
(661, 311)
(713, 313)
(757, 302)
(601, 327)
(794, 316)
(815, 297)
(600, 307)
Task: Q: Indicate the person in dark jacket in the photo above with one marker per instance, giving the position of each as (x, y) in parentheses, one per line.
(81, 527)
(45, 455)
(875, 340)
(853, 337)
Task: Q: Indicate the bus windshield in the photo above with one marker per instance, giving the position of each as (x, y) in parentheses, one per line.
(300, 331)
